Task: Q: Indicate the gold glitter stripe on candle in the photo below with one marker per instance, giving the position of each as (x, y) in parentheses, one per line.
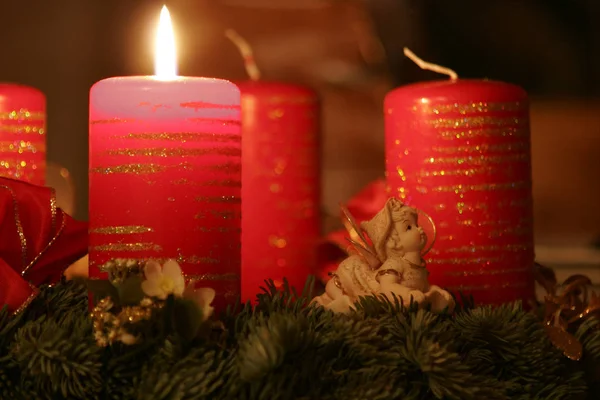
(475, 188)
(223, 183)
(478, 160)
(213, 121)
(198, 105)
(218, 199)
(494, 247)
(469, 108)
(176, 152)
(514, 231)
(213, 277)
(501, 222)
(182, 136)
(218, 214)
(22, 115)
(484, 133)
(136, 169)
(484, 272)
(22, 129)
(292, 100)
(504, 147)
(460, 172)
(127, 247)
(21, 146)
(121, 230)
(19, 227)
(464, 261)
(477, 122)
(111, 121)
(464, 288)
(219, 229)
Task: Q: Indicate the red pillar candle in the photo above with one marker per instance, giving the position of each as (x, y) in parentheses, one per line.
(281, 181)
(280, 212)
(165, 176)
(22, 133)
(460, 151)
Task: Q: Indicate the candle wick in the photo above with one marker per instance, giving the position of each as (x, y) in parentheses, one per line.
(429, 66)
(247, 54)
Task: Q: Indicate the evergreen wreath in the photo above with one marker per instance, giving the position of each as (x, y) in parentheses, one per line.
(286, 348)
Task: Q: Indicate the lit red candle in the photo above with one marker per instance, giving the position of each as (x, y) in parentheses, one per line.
(460, 151)
(281, 179)
(165, 174)
(22, 133)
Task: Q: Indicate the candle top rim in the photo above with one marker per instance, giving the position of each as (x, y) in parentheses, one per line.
(155, 78)
(21, 87)
(461, 89)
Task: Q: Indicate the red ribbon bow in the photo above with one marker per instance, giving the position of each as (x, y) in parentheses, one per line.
(363, 206)
(38, 241)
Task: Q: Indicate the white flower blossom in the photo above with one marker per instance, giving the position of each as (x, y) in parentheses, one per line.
(162, 281)
(203, 297)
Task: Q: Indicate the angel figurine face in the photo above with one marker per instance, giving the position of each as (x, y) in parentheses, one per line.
(406, 236)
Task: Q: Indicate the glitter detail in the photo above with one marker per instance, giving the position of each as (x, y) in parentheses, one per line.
(212, 121)
(22, 115)
(127, 247)
(20, 232)
(48, 245)
(219, 214)
(470, 288)
(111, 121)
(121, 230)
(470, 108)
(461, 172)
(220, 199)
(292, 100)
(165, 152)
(21, 146)
(494, 247)
(53, 209)
(476, 188)
(278, 113)
(219, 229)
(27, 302)
(476, 122)
(482, 148)
(485, 133)
(199, 105)
(137, 169)
(23, 129)
(223, 183)
(213, 277)
(486, 271)
(182, 136)
(277, 241)
(465, 261)
(478, 160)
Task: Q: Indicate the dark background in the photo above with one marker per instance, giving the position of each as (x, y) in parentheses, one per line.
(351, 52)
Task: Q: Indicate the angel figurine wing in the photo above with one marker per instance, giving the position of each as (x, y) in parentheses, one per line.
(358, 240)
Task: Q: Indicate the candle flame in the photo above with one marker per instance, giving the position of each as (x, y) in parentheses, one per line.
(165, 60)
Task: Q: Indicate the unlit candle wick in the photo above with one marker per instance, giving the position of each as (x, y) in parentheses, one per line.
(247, 54)
(429, 66)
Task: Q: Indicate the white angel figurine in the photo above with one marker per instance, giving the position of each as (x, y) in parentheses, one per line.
(391, 265)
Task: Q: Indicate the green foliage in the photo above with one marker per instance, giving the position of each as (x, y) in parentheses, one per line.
(285, 348)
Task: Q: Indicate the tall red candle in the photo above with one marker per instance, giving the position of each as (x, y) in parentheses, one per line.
(281, 181)
(165, 176)
(22, 133)
(460, 151)
(280, 211)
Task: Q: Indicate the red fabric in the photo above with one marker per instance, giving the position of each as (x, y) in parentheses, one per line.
(55, 244)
